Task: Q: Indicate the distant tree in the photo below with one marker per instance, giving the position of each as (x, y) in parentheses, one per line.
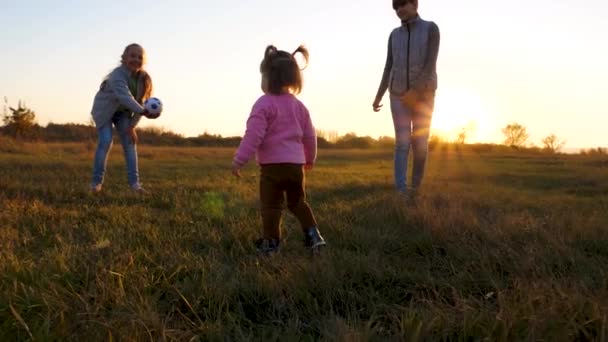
(386, 141)
(207, 135)
(552, 143)
(21, 122)
(5, 107)
(516, 135)
(598, 151)
(323, 143)
(436, 140)
(462, 136)
(68, 132)
(329, 136)
(351, 140)
(348, 136)
(156, 130)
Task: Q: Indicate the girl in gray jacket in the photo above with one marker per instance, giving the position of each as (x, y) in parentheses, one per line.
(411, 78)
(119, 102)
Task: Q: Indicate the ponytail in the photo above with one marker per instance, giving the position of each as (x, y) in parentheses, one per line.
(271, 50)
(304, 52)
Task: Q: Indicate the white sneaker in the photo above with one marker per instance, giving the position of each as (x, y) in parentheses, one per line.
(138, 188)
(95, 188)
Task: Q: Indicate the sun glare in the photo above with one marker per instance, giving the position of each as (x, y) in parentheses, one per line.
(458, 109)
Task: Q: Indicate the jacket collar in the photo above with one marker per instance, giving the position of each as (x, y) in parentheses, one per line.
(126, 69)
(411, 21)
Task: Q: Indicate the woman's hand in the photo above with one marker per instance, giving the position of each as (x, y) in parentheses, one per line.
(377, 105)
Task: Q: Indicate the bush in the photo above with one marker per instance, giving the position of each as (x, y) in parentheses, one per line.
(10, 145)
(598, 151)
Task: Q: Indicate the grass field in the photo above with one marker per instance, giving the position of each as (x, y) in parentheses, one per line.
(498, 246)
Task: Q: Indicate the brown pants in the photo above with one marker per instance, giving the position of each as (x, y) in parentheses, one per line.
(276, 181)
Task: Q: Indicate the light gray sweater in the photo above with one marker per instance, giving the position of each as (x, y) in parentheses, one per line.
(411, 59)
(113, 94)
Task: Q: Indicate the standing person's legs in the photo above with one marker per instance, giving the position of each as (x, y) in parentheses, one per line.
(402, 120)
(421, 127)
(104, 144)
(122, 122)
(273, 199)
(296, 197)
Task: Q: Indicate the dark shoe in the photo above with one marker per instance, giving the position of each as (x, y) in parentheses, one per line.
(313, 238)
(412, 195)
(267, 246)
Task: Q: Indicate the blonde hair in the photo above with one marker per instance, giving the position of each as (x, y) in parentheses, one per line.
(142, 75)
(128, 47)
(147, 84)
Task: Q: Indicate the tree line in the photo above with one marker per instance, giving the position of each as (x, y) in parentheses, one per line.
(20, 124)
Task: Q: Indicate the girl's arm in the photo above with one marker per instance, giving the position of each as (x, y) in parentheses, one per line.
(135, 119)
(256, 130)
(309, 138)
(120, 87)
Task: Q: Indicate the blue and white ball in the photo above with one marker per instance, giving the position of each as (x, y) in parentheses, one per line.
(154, 107)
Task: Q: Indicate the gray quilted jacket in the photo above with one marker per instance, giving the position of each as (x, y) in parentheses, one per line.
(411, 58)
(113, 95)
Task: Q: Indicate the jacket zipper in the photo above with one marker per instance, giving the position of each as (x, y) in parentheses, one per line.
(407, 59)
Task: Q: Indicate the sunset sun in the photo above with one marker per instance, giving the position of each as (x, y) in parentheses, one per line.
(458, 109)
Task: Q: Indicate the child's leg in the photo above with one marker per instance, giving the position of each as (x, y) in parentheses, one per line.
(296, 196)
(104, 144)
(272, 198)
(402, 120)
(129, 147)
(296, 202)
(421, 126)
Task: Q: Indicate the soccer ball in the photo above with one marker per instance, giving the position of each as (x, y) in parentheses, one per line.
(154, 107)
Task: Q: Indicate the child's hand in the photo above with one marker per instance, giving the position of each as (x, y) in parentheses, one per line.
(308, 167)
(236, 171)
(150, 115)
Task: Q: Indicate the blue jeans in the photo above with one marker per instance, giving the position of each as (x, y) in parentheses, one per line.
(412, 128)
(121, 121)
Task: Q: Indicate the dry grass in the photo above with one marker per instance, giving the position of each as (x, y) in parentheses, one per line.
(499, 247)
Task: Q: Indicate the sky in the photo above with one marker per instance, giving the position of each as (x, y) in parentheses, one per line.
(540, 63)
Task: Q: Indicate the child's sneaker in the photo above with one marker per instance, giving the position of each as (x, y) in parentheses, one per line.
(267, 246)
(313, 238)
(95, 188)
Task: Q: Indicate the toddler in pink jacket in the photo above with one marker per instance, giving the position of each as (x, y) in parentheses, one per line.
(281, 136)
